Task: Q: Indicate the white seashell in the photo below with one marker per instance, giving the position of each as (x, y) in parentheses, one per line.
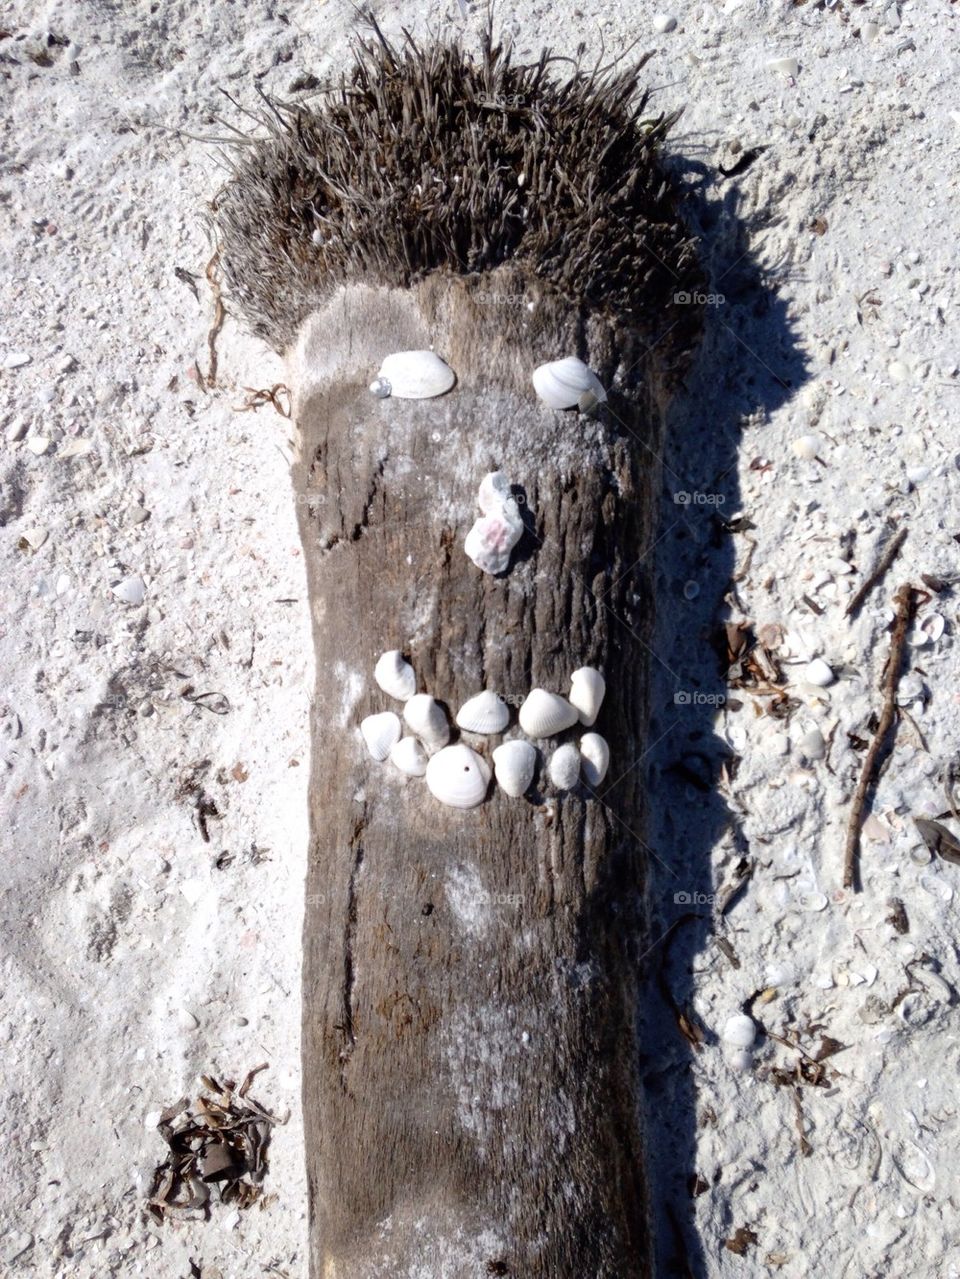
(931, 628)
(739, 1031)
(131, 590)
(395, 675)
(870, 30)
(485, 713)
(561, 383)
(409, 756)
(564, 767)
(513, 766)
(806, 447)
(818, 673)
(381, 388)
(426, 719)
(415, 375)
(491, 540)
(664, 22)
(381, 733)
(786, 66)
(458, 777)
(587, 687)
(545, 714)
(814, 902)
(812, 745)
(493, 492)
(594, 758)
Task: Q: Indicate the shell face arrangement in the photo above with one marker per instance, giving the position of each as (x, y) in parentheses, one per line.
(458, 777)
(395, 676)
(493, 536)
(426, 719)
(485, 713)
(545, 714)
(594, 758)
(587, 687)
(564, 767)
(514, 764)
(413, 375)
(381, 733)
(568, 383)
(409, 756)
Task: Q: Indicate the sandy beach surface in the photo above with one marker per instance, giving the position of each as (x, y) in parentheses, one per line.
(155, 663)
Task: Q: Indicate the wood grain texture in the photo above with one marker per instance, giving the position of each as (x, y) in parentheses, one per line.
(470, 978)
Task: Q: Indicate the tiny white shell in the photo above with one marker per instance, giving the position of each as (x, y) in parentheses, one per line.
(458, 776)
(818, 673)
(395, 675)
(812, 744)
(485, 713)
(739, 1031)
(381, 388)
(561, 383)
(409, 756)
(426, 719)
(545, 714)
(806, 447)
(786, 66)
(381, 733)
(492, 538)
(513, 766)
(415, 375)
(931, 628)
(587, 687)
(594, 758)
(564, 767)
(494, 490)
(131, 590)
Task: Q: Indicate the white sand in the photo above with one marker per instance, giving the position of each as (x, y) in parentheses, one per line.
(131, 962)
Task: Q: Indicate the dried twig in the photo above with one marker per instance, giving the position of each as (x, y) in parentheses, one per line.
(886, 559)
(219, 315)
(906, 603)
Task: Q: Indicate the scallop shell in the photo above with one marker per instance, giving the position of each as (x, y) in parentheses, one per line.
(594, 758)
(564, 767)
(513, 766)
(415, 375)
(381, 733)
(395, 675)
(425, 718)
(409, 756)
(545, 714)
(562, 383)
(458, 777)
(485, 713)
(587, 687)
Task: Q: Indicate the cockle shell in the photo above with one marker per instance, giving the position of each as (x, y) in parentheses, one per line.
(395, 675)
(587, 687)
(409, 756)
(381, 733)
(414, 375)
(493, 536)
(426, 719)
(458, 777)
(563, 383)
(485, 713)
(513, 766)
(564, 767)
(594, 758)
(545, 714)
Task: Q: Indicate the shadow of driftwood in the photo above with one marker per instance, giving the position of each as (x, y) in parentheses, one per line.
(747, 366)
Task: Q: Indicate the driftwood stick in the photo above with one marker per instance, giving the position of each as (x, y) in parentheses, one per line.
(906, 604)
(890, 553)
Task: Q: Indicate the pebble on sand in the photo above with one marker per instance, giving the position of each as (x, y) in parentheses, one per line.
(818, 673)
(664, 22)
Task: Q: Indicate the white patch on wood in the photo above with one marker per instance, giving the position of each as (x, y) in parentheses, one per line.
(351, 690)
(468, 899)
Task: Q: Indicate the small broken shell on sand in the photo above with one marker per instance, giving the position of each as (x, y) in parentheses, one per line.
(513, 766)
(426, 719)
(739, 1031)
(395, 675)
(414, 375)
(594, 758)
(587, 687)
(562, 383)
(786, 66)
(409, 756)
(564, 766)
(545, 714)
(458, 777)
(485, 713)
(806, 447)
(381, 733)
(131, 590)
(494, 535)
(818, 673)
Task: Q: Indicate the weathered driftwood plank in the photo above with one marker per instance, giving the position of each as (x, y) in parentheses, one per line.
(470, 978)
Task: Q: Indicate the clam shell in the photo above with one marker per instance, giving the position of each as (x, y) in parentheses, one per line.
(564, 767)
(587, 687)
(395, 675)
(381, 733)
(513, 766)
(561, 383)
(485, 713)
(409, 756)
(415, 375)
(426, 719)
(594, 758)
(458, 777)
(545, 714)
